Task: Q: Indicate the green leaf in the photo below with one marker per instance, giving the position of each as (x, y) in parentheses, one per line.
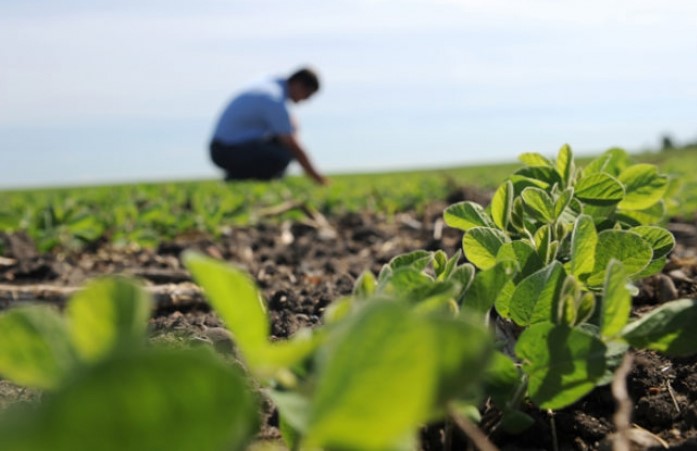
(463, 275)
(501, 379)
(599, 189)
(106, 314)
(534, 159)
(520, 182)
(539, 204)
(669, 329)
(523, 254)
(486, 287)
(466, 215)
(562, 363)
(627, 247)
(417, 260)
(406, 283)
(562, 205)
(652, 215)
(565, 165)
(617, 301)
(464, 349)
(644, 186)
(293, 408)
(444, 272)
(518, 215)
(132, 402)
(543, 176)
(481, 244)
(235, 298)
(660, 239)
(365, 285)
(612, 161)
(534, 299)
(584, 241)
(501, 205)
(370, 361)
(35, 350)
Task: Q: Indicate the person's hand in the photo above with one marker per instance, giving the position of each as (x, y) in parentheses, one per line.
(322, 180)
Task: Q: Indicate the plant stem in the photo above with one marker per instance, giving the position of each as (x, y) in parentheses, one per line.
(480, 440)
(553, 425)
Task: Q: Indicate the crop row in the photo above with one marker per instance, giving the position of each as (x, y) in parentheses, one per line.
(539, 310)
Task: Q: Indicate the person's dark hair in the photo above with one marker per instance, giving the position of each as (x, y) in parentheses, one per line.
(307, 77)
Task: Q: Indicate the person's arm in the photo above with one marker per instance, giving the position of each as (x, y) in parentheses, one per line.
(290, 142)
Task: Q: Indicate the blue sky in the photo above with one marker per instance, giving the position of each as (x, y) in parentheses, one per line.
(99, 92)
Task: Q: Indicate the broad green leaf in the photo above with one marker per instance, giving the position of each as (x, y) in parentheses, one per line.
(235, 298)
(523, 254)
(567, 307)
(132, 402)
(612, 162)
(501, 205)
(450, 265)
(338, 310)
(463, 275)
(35, 349)
(654, 267)
(486, 287)
(464, 349)
(652, 215)
(669, 329)
(515, 422)
(617, 301)
(586, 307)
(660, 239)
(406, 283)
(365, 285)
(466, 215)
(501, 379)
(481, 244)
(561, 210)
(547, 175)
(439, 261)
(520, 182)
(584, 240)
(106, 314)
(534, 299)
(417, 260)
(370, 361)
(599, 189)
(293, 408)
(643, 185)
(539, 204)
(562, 363)
(518, 215)
(565, 165)
(534, 159)
(543, 241)
(628, 247)
(275, 357)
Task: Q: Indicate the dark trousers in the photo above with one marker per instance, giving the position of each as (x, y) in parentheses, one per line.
(257, 160)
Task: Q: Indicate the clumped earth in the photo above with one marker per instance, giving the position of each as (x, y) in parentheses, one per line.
(302, 266)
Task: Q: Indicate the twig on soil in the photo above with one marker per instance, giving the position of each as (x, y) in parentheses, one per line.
(475, 434)
(671, 392)
(164, 295)
(621, 440)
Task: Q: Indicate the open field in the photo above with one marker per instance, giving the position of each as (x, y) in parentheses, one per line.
(307, 250)
(144, 214)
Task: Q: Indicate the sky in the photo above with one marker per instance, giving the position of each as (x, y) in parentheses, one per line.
(117, 91)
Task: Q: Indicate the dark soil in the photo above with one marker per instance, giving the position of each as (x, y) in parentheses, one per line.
(301, 267)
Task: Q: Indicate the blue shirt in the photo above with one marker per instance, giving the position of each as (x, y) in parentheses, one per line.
(257, 113)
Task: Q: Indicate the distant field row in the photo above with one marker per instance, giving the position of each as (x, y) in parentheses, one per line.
(148, 213)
